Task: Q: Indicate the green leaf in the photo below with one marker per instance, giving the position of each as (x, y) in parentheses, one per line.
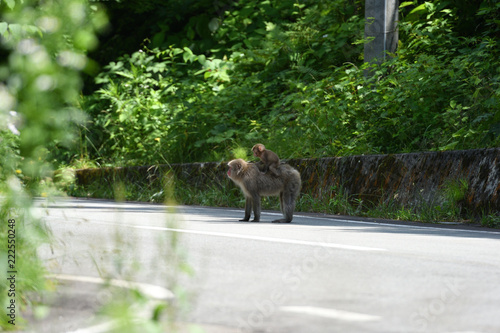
(214, 24)
(3, 28)
(125, 74)
(10, 3)
(188, 55)
(449, 146)
(200, 71)
(202, 59)
(418, 10)
(406, 4)
(16, 30)
(188, 50)
(123, 117)
(270, 26)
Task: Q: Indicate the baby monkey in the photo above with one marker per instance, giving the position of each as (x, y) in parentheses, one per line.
(269, 158)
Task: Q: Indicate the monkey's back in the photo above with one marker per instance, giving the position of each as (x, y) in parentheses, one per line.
(269, 185)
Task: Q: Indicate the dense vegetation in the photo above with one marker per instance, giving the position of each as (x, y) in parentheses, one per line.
(206, 80)
(201, 80)
(42, 52)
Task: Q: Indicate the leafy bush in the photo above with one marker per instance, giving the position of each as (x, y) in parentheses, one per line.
(292, 75)
(148, 108)
(158, 106)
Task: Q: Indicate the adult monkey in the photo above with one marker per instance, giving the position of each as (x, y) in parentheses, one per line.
(255, 184)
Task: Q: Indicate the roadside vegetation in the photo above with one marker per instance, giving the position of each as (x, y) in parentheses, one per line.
(42, 48)
(291, 74)
(173, 81)
(448, 203)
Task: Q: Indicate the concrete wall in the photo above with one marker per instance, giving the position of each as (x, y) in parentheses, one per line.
(409, 179)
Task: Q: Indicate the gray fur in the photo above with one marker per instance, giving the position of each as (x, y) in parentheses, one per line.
(255, 184)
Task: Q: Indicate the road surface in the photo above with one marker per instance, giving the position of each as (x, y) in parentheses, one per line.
(316, 274)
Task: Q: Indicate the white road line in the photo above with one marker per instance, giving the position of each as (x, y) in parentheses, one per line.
(248, 237)
(155, 292)
(487, 232)
(108, 326)
(341, 220)
(150, 290)
(330, 313)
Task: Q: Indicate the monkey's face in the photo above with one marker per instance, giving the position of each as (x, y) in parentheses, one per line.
(231, 170)
(235, 167)
(258, 149)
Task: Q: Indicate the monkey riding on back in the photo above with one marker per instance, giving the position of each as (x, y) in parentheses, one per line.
(269, 158)
(254, 184)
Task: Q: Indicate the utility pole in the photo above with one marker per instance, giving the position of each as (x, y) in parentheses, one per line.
(381, 19)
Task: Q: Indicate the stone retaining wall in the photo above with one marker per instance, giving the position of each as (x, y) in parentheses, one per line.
(408, 179)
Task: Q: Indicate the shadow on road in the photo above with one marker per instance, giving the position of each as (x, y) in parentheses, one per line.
(361, 224)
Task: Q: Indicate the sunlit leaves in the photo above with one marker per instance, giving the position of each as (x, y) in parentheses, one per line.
(291, 73)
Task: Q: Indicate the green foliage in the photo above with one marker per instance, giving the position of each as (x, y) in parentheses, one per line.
(9, 143)
(434, 103)
(148, 110)
(446, 205)
(454, 193)
(336, 201)
(171, 105)
(291, 75)
(491, 221)
(43, 47)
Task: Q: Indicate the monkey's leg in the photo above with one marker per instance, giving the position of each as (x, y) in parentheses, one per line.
(281, 203)
(274, 170)
(256, 208)
(287, 206)
(248, 209)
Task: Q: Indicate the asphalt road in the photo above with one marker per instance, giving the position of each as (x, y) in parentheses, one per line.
(316, 274)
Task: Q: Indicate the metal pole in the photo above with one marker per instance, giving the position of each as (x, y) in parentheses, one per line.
(381, 17)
